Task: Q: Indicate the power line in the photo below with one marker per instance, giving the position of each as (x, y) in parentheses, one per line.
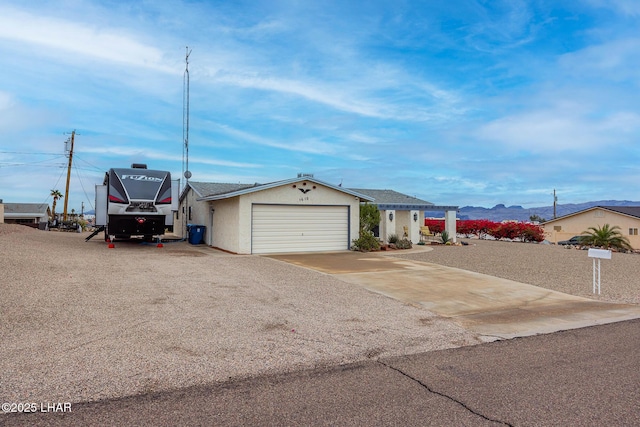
(11, 165)
(82, 186)
(30, 153)
(94, 167)
(46, 200)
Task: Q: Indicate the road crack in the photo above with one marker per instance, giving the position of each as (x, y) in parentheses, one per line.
(430, 390)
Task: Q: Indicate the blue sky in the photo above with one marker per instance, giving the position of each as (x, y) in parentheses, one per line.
(457, 102)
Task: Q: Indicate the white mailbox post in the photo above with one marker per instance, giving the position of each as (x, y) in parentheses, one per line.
(598, 254)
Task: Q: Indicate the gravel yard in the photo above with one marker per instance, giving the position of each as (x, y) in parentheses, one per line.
(548, 266)
(81, 322)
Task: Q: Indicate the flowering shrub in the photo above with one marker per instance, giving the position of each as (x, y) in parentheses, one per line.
(436, 226)
(482, 228)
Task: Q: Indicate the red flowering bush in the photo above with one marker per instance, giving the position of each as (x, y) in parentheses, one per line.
(436, 226)
(482, 228)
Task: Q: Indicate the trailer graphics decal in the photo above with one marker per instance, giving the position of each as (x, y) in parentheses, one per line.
(142, 178)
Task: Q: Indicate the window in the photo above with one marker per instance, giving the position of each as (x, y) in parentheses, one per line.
(633, 232)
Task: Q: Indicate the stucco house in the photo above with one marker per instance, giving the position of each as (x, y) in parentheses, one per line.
(625, 217)
(399, 212)
(26, 213)
(1, 212)
(301, 214)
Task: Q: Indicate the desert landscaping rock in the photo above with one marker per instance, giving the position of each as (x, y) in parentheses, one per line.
(81, 322)
(548, 266)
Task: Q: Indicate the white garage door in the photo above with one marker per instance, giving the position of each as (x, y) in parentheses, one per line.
(286, 228)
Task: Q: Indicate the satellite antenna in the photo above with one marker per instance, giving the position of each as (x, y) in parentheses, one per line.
(185, 119)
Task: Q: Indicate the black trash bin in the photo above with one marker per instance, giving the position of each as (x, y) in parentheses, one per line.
(196, 234)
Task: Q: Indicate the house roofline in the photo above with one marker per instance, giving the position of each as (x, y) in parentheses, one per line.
(607, 208)
(270, 185)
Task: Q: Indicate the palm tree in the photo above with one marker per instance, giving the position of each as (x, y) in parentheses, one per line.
(606, 237)
(56, 194)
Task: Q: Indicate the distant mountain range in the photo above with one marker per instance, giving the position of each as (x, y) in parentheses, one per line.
(501, 212)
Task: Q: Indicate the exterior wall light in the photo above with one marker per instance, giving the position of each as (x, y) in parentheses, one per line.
(390, 216)
(415, 217)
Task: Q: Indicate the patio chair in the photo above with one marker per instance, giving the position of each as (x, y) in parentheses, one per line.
(425, 234)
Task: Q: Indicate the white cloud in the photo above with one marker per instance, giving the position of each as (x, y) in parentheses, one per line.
(144, 152)
(614, 60)
(57, 35)
(578, 125)
(626, 7)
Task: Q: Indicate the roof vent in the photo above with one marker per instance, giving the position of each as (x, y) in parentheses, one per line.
(305, 175)
(138, 166)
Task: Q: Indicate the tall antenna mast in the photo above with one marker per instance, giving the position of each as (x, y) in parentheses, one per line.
(185, 119)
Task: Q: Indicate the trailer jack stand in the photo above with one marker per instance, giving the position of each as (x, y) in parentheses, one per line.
(160, 245)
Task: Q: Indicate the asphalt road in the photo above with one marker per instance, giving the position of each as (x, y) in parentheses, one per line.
(585, 377)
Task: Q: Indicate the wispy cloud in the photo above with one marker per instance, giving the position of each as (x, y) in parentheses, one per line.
(106, 44)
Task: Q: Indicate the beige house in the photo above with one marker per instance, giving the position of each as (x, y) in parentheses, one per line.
(625, 217)
(300, 214)
(1, 212)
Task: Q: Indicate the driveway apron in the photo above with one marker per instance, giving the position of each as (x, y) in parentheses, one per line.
(487, 305)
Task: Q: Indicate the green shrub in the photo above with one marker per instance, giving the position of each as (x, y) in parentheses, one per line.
(445, 236)
(404, 244)
(369, 217)
(393, 238)
(367, 242)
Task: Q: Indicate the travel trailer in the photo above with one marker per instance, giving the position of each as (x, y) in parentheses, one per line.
(136, 201)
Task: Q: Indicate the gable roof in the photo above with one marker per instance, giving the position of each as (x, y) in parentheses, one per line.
(626, 210)
(633, 211)
(391, 197)
(26, 210)
(204, 189)
(392, 200)
(218, 191)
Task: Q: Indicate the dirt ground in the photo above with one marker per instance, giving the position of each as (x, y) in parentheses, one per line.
(82, 322)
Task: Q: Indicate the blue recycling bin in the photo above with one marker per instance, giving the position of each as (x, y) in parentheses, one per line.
(196, 234)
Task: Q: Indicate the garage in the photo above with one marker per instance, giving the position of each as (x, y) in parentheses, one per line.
(295, 228)
(301, 214)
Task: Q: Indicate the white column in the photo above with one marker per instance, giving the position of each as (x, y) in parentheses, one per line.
(389, 220)
(414, 228)
(450, 224)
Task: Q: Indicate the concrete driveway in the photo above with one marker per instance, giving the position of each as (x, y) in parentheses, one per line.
(487, 305)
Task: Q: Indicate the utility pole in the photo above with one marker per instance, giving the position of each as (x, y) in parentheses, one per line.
(66, 191)
(555, 202)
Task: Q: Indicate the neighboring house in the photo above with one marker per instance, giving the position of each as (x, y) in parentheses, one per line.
(625, 217)
(300, 214)
(26, 213)
(1, 212)
(398, 211)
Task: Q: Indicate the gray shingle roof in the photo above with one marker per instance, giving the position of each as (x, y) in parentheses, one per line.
(205, 189)
(627, 210)
(26, 208)
(391, 197)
